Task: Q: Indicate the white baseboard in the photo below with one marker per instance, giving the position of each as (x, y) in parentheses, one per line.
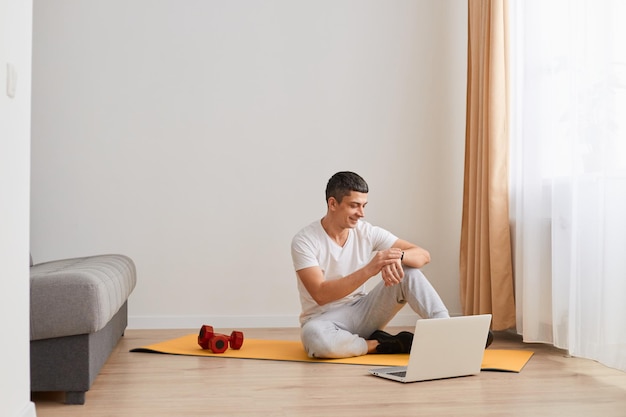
(28, 410)
(236, 322)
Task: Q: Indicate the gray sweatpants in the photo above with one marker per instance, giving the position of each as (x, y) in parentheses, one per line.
(341, 332)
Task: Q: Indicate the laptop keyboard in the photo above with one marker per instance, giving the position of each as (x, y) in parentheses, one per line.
(399, 373)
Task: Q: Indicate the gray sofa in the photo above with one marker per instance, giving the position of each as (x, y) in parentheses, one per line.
(78, 312)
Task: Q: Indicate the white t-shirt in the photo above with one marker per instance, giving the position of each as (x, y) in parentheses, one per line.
(312, 246)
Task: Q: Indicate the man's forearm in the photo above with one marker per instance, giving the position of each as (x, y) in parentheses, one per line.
(336, 289)
(415, 257)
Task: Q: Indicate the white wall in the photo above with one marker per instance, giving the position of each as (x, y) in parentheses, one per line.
(197, 137)
(15, 58)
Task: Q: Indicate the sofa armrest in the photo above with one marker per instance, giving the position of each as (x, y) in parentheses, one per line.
(78, 296)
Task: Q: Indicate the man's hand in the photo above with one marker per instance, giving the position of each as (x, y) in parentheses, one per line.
(392, 274)
(387, 262)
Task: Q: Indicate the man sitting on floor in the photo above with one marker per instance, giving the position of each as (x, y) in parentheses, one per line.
(335, 256)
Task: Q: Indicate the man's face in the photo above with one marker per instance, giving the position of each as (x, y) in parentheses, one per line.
(350, 210)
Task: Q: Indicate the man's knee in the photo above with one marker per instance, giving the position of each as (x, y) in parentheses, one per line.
(415, 278)
(413, 273)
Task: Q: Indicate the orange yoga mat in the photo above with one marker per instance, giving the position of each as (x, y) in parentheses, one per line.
(287, 350)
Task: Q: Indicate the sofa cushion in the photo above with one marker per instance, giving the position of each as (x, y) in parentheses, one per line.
(78, 296)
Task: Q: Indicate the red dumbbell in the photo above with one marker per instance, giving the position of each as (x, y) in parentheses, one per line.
(218, 343)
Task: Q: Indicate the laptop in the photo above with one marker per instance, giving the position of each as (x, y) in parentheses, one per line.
(443, 348)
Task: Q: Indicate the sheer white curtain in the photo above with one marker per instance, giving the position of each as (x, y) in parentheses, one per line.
(569, 175)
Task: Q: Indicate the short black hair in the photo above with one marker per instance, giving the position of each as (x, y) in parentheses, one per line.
(343, 183)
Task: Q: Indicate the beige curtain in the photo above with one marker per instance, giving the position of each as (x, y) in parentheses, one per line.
(486, 260)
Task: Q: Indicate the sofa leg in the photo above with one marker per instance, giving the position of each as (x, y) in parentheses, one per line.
(75, 397)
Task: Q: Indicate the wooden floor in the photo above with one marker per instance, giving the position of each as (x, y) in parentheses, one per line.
(147, 384)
